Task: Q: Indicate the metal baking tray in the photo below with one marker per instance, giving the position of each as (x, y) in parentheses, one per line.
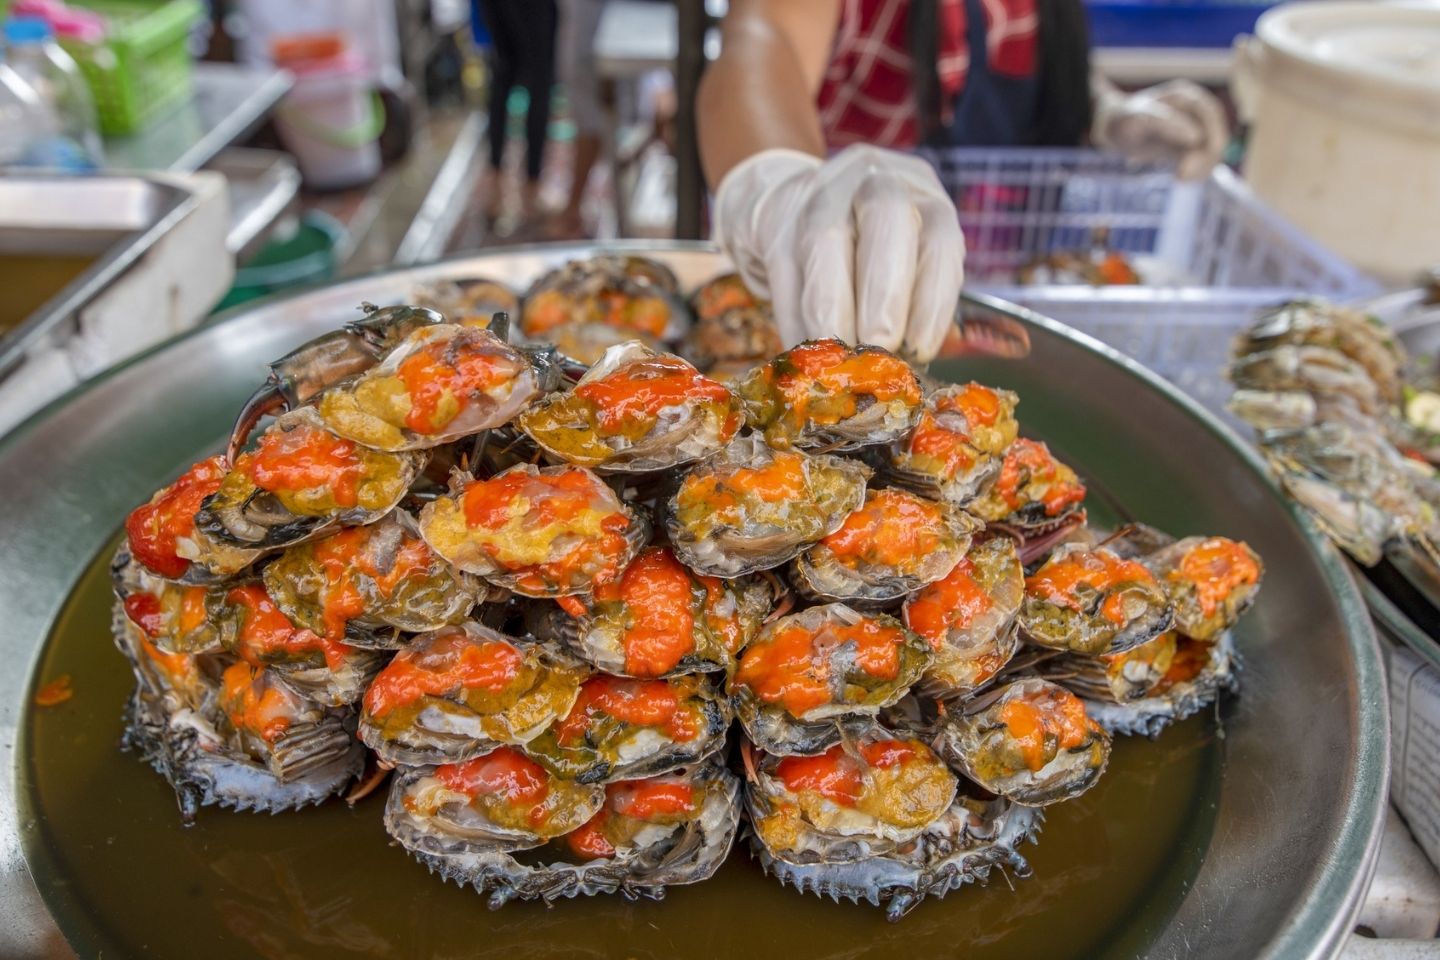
(1285, 827)
(112, 219)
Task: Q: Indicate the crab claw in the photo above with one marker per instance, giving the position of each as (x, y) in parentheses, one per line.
(384, 327)
(267, 400)
(500, 324)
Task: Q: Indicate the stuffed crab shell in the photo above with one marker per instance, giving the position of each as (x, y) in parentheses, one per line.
(658, 619)
(618, 297)
(500, 801)
(751, 507)
(1210, 580)
(892, 546)
(643, 835)
(364, 585)
(1115, 677)
(635, 411)
(807, 674)
(163, 537)
(968, 618)
(462, 691)
(958, 444)
(824, 393)
(300, 481)
(1191, 676)
(879, 790)
(1091, 601)
(541, 532)
(172, 615)
(252, 627)
(1034, 496)
(443, 382)
(622, 728)
(470, 302)
(1033, 743)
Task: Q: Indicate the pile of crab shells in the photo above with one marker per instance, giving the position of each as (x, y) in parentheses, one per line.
(583, 620)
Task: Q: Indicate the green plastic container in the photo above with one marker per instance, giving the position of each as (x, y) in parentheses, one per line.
(306, 258)
(144, 66)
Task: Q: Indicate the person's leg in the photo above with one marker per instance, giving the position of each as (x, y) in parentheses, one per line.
(504, 71)
(540, 78)
(579, 24)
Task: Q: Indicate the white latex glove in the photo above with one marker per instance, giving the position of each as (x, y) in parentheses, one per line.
(1176, 121)
(865, 246)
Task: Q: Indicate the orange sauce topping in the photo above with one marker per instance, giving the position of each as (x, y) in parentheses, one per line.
(179, 669)
(632, 397)
(728, 293)
(504, 772)
(659, 623)
(648, 799)
(266, 633)
(145, 612)
(253, 705)
(952, 603)
(305, 458)
(641, 703)
(979, 405)
(154, 528)
(552, 498)
(1029, 462)
(832, 370)
(446, 665)
(1056, 715)
(1217, 566)
(835, 774)
(55, 692)
(1058, 580)
(892, 529)
(440, 380)
(782, 479)
(725, 626)
(792, 666)
(343, 559)
(589, 841)
(1190, 660)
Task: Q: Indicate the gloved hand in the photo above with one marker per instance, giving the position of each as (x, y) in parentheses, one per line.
(865, 246)
(1178, 121)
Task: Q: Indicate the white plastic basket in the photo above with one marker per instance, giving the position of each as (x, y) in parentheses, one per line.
(1211, 254)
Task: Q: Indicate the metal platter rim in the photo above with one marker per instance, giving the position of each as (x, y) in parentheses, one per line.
(1317, 927)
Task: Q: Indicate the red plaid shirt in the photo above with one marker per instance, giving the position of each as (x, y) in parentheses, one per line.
(866, 94)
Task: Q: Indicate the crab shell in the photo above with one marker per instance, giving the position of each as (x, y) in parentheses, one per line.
(1143, 607)
(982, 444)
(446, 529)
(448, 727)
(418, 602)
(1172, 702)
(456, 827)
(242, 514)
(578, 290)
(874, 421)
(976, 634)
(821, 576)
(688, 853)
(182, 736)
(894, 804)
(961, 847)
(774, 729)
(1191, 617)
(766, 534)
(132, 581)
(631, 751)
(597, 637)
(983, 747)
(682, 433)
(365, 408)
(470, 302)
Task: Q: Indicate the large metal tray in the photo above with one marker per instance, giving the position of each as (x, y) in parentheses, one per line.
(1303, 768)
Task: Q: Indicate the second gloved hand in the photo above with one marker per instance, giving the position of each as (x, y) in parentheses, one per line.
(865, 246)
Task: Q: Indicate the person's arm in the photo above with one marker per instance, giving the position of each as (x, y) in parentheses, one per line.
(863, 246)
(760, 92)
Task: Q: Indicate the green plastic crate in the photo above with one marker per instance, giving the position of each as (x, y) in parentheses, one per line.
(144, 65)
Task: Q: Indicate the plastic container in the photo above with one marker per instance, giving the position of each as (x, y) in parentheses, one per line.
(1210, 255)
(143, 66)
(1176, 23)
(1344, 102)
(304, 258)
(31, 51)
(332, 118)
(24, 120)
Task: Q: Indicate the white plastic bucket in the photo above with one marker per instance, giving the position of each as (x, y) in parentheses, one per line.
(331, 121)
(1344, 102)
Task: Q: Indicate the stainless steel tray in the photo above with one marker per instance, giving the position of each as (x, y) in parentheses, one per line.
(1304, 762)
(116, 219)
